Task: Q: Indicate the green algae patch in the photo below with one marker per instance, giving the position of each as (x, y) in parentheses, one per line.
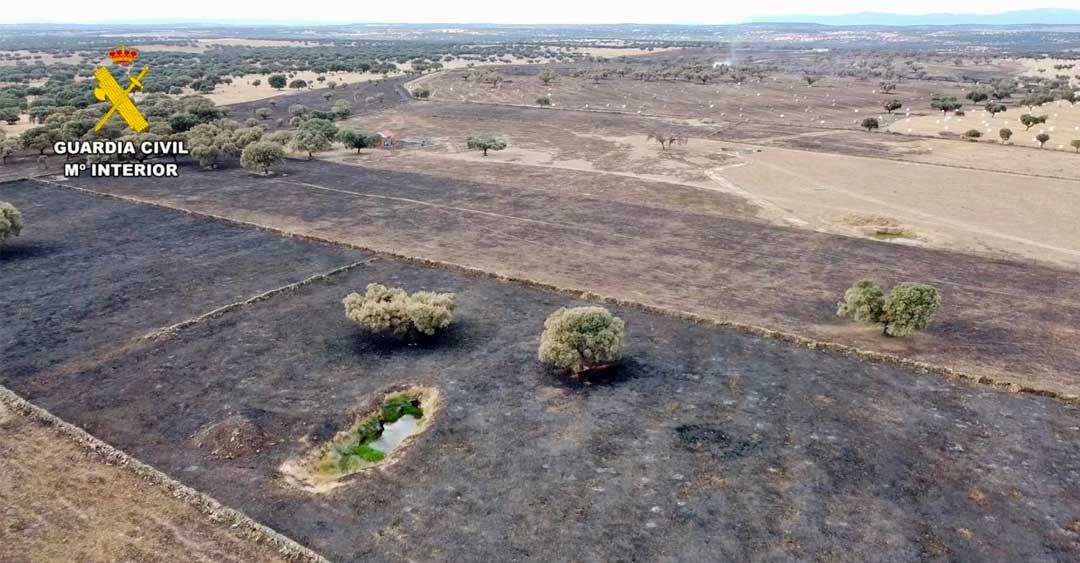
(375, 439)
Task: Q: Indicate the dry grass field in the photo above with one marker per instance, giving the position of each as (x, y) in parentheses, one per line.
(60, 502)
(242, 90)
(1044, 67)
(1063, 125)
(1004, 212)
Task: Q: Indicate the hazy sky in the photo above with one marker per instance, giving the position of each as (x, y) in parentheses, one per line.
(513, 11)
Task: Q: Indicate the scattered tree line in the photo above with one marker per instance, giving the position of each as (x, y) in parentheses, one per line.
(575, 340)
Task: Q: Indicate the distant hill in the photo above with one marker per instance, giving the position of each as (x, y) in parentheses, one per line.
(1020, 17)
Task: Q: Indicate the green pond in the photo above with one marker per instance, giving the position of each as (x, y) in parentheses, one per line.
(375, 437)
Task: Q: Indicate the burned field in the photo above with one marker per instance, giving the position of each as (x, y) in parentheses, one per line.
(703, 445)
(118, 272)
(364, 97)
(1010, 322)
(783, 100)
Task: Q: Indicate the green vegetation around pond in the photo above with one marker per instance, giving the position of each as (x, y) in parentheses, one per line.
(373, 438)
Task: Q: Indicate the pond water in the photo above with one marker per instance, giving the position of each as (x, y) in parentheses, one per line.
(394, 433)
(369, 441)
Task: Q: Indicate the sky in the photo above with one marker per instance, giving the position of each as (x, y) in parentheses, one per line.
(514, 11)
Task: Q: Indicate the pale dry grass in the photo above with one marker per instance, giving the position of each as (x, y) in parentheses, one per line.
(22, 125)
(1044, 68)
(62, 502)
(951, 207)
(1063, 124)
(241, 89)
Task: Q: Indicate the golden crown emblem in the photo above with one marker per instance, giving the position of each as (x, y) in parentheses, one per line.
(123, 56)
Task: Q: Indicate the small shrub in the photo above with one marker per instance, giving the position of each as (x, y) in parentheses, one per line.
(391, 310)
(864, 302)
(909, 308)
(972, 134)
(485, 144)
(582, 339)
(422, 92)
(870, 123)
(10, 221)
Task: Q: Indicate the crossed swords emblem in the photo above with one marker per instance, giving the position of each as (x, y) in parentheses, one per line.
(109, 89)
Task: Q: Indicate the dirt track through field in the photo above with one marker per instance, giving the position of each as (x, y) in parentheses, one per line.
(1008, 322)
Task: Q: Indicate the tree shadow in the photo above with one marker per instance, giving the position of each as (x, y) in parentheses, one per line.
(15, 250)
(622, 372)
(368, 343)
